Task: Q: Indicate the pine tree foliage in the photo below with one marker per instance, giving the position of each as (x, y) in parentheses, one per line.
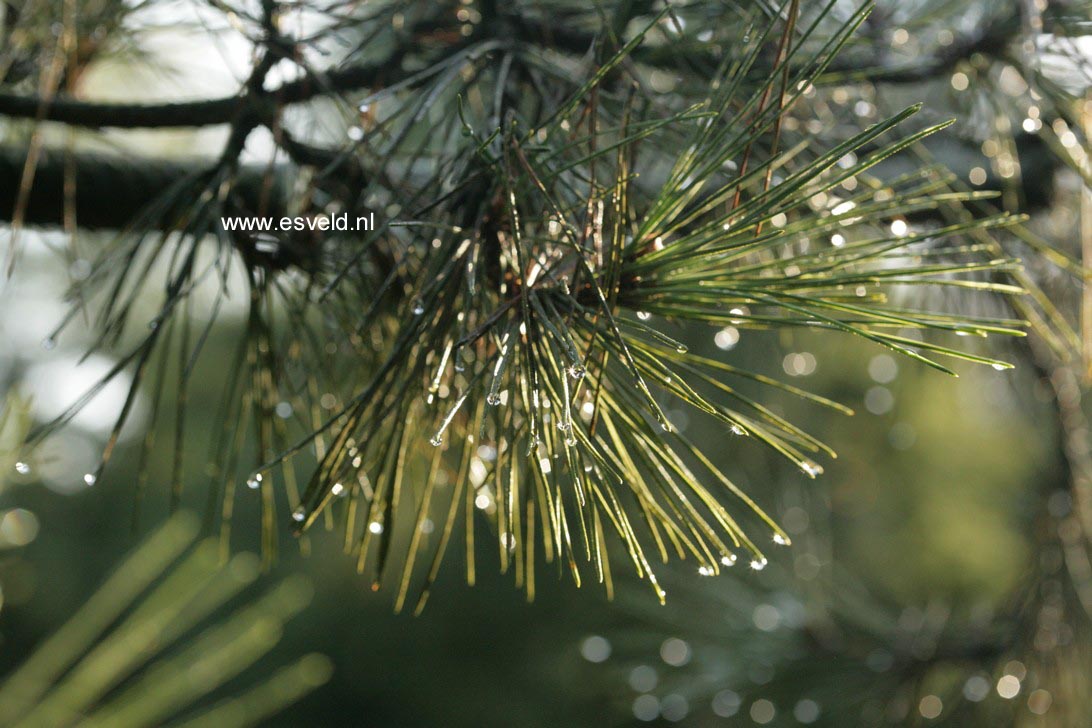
(1021, 96)
(559, 187)
(113, 664)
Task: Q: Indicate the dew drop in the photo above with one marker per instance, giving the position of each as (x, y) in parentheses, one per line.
(355, 133)
(810, 469)
(780, 540)
(436, 441)
(759, 564)
(375, 527)
(338, 489)
(49, 343)
(493, 398)
(570, 440)
(682, 348)
(1000, 367)
(728, 559)
(705, 570)
(564, 426)
(299, 514)
(576, 371)
(644, 315)
(737, 430)
(254, 482)
(89, 478)
(22, 468)
(418, 308)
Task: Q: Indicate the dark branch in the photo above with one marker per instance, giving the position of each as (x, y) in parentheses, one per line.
(111, 191)
(122, 116)
(208, 112)
(227, 109)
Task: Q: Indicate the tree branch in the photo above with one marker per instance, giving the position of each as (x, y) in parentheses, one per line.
(122, 116)
(224, 110)
(208, 112)
(111, 190)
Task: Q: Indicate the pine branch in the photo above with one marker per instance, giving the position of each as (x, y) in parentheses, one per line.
(208, 112)
(504, 317)
(112, 191)
(117, 661)
(102, 115)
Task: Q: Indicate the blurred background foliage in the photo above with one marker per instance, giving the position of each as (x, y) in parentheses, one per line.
(932, 578)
